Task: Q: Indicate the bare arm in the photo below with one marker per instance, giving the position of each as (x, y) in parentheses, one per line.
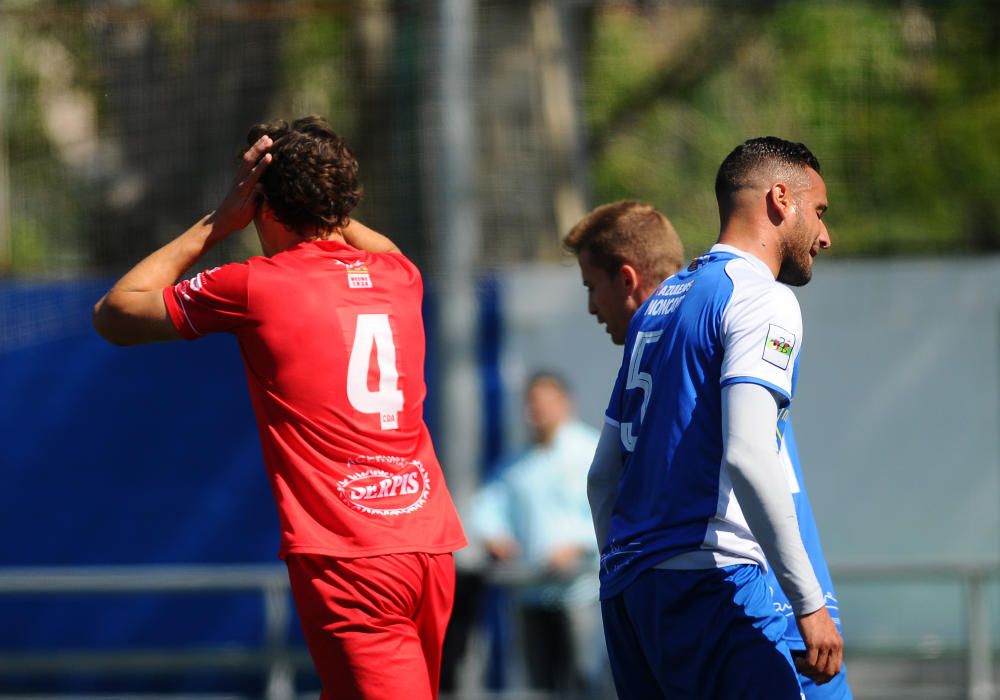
(133, 311)
(363, 238)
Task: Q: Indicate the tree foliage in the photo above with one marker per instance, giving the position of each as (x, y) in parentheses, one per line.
(120, 120)
(901, 103)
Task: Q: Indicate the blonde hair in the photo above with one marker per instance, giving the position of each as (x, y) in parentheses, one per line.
(628, 232)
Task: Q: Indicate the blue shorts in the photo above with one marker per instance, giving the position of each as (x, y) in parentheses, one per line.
(710, 634)
(836, 689)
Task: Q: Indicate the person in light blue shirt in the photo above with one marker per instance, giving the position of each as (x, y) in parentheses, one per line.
(684, 527)
(535, 514)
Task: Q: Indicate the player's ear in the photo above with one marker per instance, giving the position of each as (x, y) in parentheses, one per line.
(629, 278)
(779, 202)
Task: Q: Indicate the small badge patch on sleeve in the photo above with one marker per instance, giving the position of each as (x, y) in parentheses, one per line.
(778, 346)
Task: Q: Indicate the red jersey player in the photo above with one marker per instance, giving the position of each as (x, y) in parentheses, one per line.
(329, 327)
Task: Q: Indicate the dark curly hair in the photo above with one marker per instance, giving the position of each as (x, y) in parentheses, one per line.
(312, 182)
(758, 158)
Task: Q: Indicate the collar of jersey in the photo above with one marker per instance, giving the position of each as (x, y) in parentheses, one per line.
(325, 244)
(752, 259)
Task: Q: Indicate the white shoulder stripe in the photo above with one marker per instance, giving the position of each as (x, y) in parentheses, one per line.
(180, 301)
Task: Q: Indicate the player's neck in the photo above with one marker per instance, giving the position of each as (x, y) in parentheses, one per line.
(752, 237)
(332, 235)
(546, 436)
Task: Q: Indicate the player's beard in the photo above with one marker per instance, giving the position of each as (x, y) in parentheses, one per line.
(796, 259)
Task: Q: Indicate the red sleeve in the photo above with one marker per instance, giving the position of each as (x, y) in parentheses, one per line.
(411, 268)
(214, 301)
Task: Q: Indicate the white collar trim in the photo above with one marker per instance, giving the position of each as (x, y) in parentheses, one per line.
(750, 258)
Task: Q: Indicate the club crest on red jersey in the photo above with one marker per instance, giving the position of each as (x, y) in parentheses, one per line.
(358, 278)
(385, 486)
(357, 274)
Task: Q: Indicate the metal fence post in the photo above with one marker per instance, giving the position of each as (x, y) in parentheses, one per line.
(281, 674)
(980, 679)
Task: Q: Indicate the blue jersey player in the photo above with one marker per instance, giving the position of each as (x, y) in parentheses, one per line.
(688, 489)
(624, 249)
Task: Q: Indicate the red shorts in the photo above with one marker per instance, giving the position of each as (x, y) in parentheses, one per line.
(375, 625)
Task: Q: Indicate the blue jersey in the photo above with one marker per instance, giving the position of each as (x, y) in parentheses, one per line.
(722, 320)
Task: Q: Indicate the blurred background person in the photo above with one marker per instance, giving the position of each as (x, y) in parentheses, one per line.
(535, 514)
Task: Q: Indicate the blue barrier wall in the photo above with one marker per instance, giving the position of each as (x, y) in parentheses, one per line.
(129, 456)
(110, 456)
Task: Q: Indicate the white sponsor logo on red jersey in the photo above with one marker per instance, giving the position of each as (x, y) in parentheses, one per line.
(385, 486)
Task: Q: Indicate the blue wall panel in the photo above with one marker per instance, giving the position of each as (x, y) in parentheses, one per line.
(121, 456)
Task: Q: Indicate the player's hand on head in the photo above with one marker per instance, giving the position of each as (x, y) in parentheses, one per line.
(240, 204)
(824, 653)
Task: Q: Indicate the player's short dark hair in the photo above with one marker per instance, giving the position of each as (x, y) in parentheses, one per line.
(628, 232)
(548, 376)
(752, 159)
(312, 182)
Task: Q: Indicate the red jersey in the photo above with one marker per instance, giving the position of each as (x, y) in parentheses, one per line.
(333, 345)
